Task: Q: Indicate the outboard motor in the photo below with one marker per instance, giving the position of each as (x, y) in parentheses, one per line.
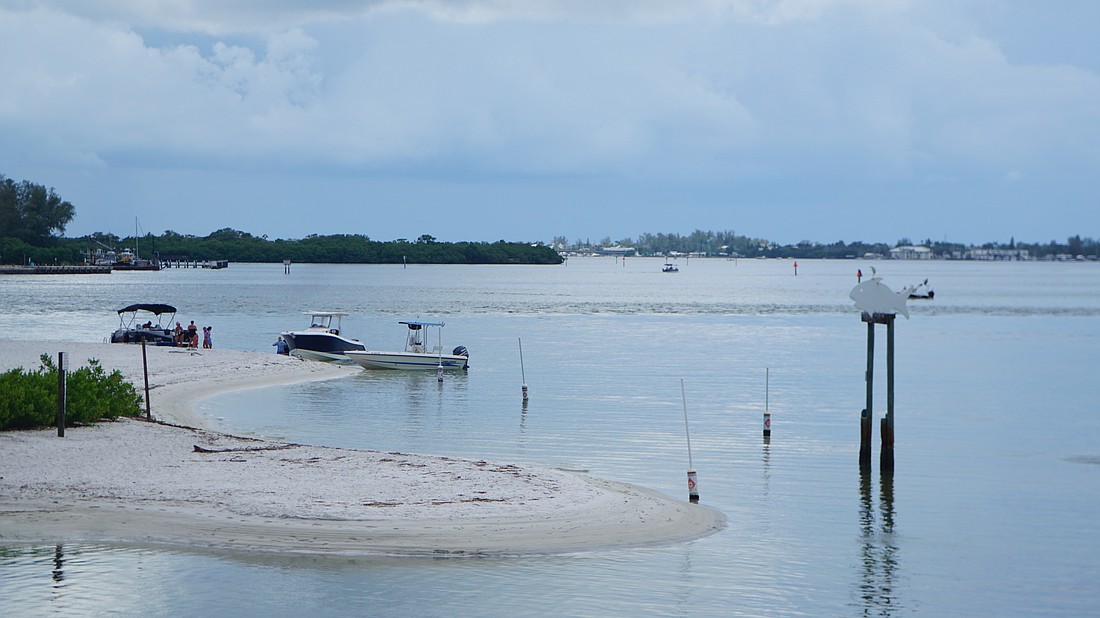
(460, 351)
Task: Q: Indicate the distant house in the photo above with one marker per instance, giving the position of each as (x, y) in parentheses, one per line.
(997, 254)
(615, 250)
(910, 252)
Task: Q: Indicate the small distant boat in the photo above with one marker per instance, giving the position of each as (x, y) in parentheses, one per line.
(322, 340)
(417, 353)
(131, 330)
(669, 267)
(922, 291)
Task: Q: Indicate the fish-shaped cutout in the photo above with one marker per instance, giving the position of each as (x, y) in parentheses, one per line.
(873, 296)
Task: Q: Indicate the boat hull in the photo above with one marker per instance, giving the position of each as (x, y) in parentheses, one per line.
(321, 346)
(408, 360)
(136, 335)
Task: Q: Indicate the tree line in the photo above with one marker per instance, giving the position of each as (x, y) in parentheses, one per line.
(237, 246)
(728, 243)
(33, 220)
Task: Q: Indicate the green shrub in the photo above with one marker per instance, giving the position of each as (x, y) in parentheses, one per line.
(29, 398)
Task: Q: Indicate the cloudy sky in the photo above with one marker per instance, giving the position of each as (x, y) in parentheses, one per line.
(821, 120)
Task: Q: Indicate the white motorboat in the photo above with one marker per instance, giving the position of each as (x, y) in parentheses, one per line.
(323, 340)
(922, 291)
(418, 353)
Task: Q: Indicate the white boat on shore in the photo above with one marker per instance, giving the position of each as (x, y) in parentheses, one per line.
(322, 340)
(418, 354)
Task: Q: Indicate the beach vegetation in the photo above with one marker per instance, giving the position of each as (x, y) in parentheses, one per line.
(91, 393)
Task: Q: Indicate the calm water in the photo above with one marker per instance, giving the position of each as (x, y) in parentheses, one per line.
(992, 509)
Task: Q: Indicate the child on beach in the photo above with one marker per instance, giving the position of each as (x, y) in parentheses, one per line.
(206, 337)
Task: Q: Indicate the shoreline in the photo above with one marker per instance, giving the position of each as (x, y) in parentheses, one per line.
(150, 484)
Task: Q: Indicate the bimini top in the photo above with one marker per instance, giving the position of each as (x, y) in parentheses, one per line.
(419, 325)
(155, 309)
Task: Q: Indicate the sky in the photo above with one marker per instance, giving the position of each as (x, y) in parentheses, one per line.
(522, 120)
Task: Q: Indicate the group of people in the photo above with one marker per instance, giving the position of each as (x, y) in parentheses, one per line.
(189, 337)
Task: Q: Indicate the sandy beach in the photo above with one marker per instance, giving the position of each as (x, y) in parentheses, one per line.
(182, 483)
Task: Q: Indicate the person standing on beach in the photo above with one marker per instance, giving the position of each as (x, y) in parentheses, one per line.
(281, 347)
(192, 335)
(207, 343)
(177, 334)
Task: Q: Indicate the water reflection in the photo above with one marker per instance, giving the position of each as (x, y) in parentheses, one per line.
(58, 564)
(878, 552)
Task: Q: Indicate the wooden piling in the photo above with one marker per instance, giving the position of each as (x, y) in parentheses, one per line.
(62, 367)
(886, 457)
(866, 416)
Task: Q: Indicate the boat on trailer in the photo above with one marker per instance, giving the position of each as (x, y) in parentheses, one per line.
(323, 340)
(418, 352)
(131, 330)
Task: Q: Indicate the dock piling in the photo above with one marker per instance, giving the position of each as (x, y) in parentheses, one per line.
(886, 456)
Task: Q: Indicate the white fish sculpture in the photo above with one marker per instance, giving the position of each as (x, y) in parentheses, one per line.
(873, 296)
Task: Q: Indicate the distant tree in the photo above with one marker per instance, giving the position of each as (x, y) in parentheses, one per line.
(1075, 246)
(32, 213)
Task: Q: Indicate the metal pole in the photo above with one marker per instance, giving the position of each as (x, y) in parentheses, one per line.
(522, 373)
(693, 483)
(145, 371)
(767, 411)
(687, 431)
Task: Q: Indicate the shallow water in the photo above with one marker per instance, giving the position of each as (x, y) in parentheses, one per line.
(990, 510)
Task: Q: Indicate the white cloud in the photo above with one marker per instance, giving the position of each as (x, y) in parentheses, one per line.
(707, 94)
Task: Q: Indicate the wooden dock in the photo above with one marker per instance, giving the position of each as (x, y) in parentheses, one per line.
(16, 269)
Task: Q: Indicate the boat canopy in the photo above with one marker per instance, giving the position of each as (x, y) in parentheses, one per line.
(155, 309)
(419, 325)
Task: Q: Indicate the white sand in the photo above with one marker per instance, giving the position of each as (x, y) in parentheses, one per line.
(139, 482)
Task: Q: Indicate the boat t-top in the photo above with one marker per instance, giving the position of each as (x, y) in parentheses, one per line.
(419, 352)
(322, 340)
(132, 330)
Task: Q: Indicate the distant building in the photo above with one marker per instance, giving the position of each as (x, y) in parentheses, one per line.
(910, 252)
(997, 254)
(615, 250)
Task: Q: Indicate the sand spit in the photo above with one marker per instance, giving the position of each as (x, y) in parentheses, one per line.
(133, 481)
